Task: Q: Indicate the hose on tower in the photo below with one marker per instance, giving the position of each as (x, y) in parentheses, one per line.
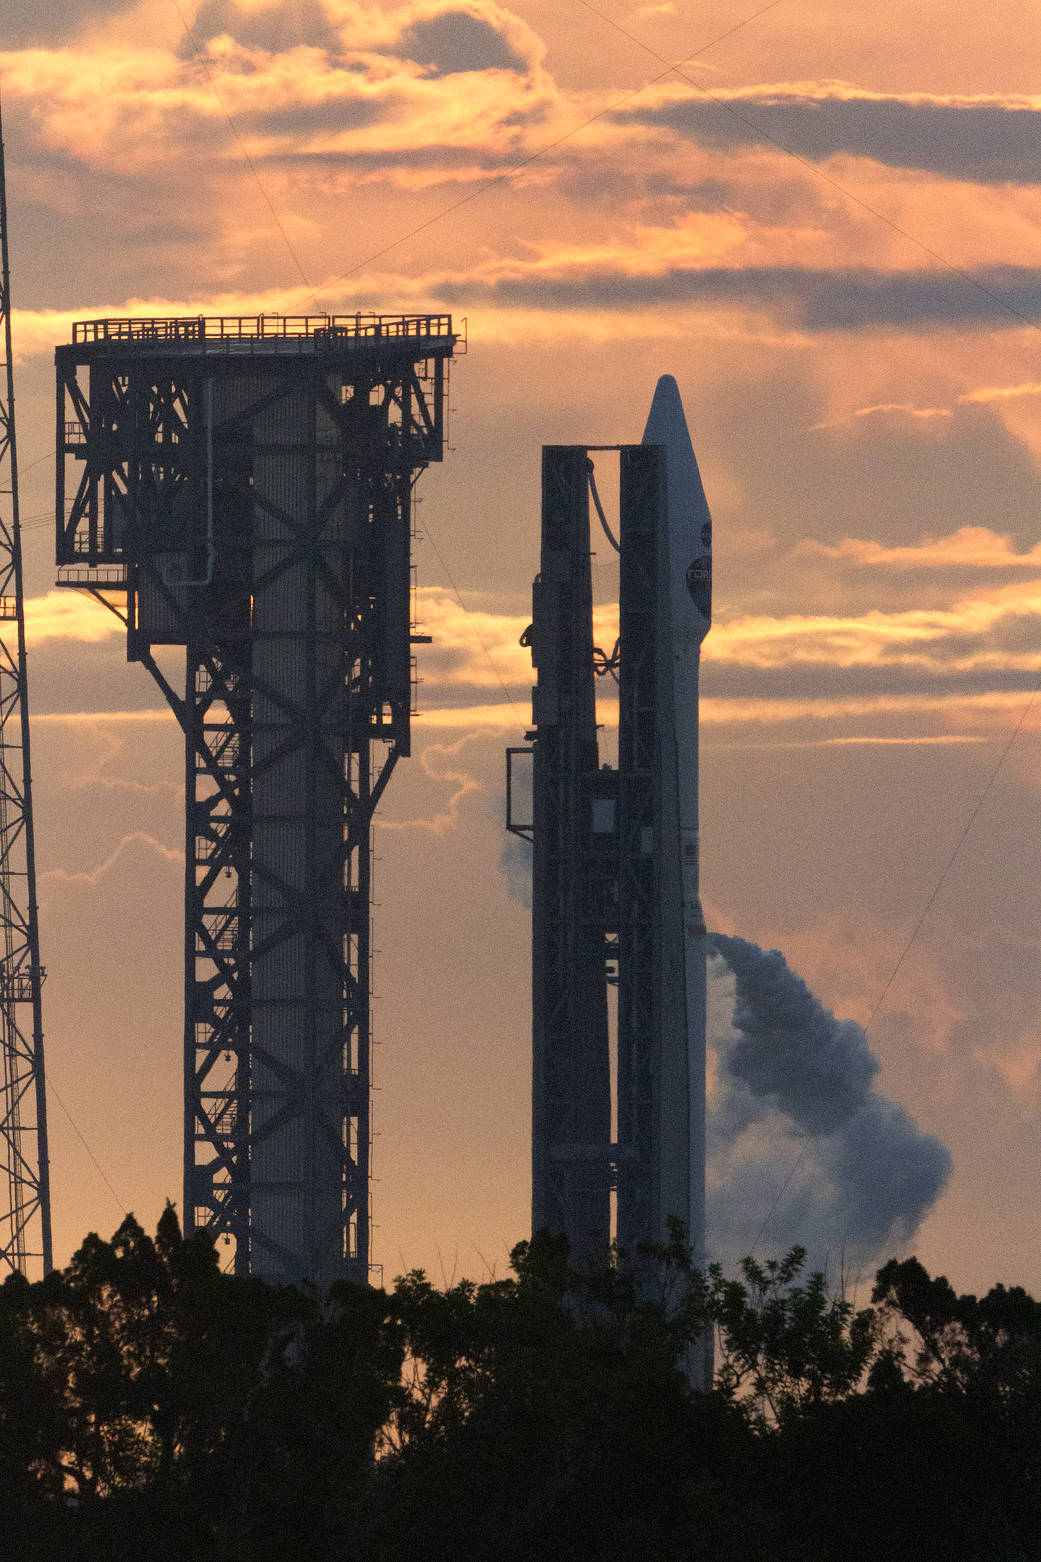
(608, 533)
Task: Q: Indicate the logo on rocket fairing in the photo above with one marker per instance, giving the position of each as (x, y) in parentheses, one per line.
(699, 573)
(699, 570)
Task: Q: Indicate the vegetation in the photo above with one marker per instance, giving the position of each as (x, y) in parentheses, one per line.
(152, 1408)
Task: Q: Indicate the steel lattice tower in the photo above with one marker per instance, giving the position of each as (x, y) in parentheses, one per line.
(244, 490)
(572, 880)
(25, 1208)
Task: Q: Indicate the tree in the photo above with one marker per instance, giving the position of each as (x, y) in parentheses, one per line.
(783, 1346)
(546, 1415)
(150, 1404)
(935, 1456)
(974, 1365)
(989, 1349)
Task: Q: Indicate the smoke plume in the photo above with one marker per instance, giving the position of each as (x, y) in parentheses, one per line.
(797, 1131)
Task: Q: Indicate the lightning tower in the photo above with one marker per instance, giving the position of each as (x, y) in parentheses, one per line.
(25, 1207)
(242, 488)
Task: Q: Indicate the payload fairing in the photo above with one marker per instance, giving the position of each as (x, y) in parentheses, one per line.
(685, 599)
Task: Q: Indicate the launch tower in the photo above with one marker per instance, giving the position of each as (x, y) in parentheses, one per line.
(242, 488)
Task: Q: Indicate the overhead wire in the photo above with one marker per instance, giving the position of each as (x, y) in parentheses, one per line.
(671, 68)
(251, 165)
(53, 1091)
(674, 68)
(906, 950)
(471, 195)
(40, 518)
(678, 69)
(817, 171)
(427, 534)
(482, 189)
(1010, 308)
(446, 211)
(540, 152)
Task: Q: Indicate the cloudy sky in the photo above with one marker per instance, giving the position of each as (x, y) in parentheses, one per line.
(824, 222)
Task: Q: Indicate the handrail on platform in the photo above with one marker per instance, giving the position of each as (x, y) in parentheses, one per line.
(254, 328)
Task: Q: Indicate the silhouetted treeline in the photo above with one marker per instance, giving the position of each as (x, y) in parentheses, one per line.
(152, 1408)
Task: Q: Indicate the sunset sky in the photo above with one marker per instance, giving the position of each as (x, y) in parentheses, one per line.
(826, 223)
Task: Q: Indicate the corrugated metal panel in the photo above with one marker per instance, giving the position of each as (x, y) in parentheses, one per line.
(297, 820)
(157, 617)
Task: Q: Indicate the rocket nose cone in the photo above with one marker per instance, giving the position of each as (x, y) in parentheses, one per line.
(689, 521)
(666, 423)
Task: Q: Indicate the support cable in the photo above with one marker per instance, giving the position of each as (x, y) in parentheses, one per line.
(905, 951)
(470, 621)
(678, 69)
(812, 167)
(247, 159)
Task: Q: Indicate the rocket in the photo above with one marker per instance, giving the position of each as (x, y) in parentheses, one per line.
(615, 894)
(684, 616)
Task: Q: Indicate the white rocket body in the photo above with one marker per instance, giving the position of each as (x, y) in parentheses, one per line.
(685, 607)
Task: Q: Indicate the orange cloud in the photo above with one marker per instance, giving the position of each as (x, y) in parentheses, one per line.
(946, 640)
(439, 762)
(501, 717)
(95, 717)
(993, 714)
(906, 408)
(1003, 392)
(476, 647)
(138, 842)
(976, 546)
(471, 645)
(974, 718)
(68, 615)
(123, 107)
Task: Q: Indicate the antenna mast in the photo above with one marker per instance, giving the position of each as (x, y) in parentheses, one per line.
(25, 1206)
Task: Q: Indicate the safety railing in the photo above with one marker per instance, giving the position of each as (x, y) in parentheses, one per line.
(102, 577)
(263, 328)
